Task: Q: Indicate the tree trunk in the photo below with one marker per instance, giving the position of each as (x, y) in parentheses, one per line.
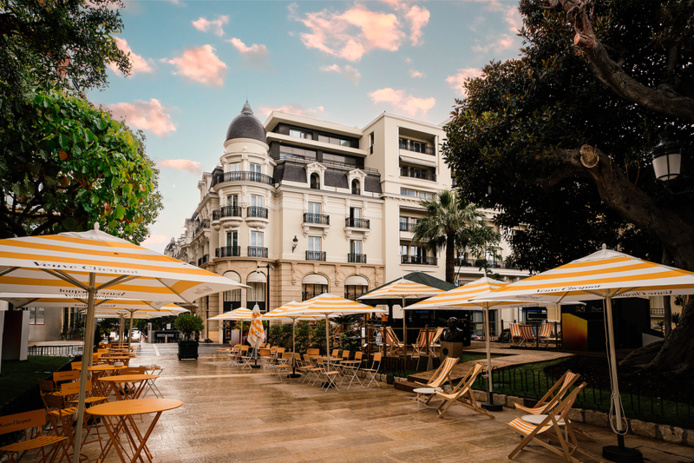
(677, 353)
(667, 317)
(450, 258)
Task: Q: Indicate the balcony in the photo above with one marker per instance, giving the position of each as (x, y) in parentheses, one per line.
(418, 260)
(316, 255)
(658, 312)
(203, 260)
(356, 258)
(256, 251)
(257, 212)
(355, 222)
(203, 224)
(416, 146)
(228, 251)
(491, 263)
(230, 216)
(407, 227)
(316, 219)
(229, 211)
(243, 176)
(417, 173)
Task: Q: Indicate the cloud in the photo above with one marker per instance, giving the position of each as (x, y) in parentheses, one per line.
(146, 115)
(415, 74)
(352, 74)
(200, 65)
(215, 25)
(293, 109)
(456, 81)
(496, 44)
(256, 54)
(418, 17)
(184, 165)
(409, 104)
(351, 34)
(137, 63)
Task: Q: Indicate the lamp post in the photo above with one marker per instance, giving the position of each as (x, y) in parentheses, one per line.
(267, 285)
(667, 159)
(295, 243)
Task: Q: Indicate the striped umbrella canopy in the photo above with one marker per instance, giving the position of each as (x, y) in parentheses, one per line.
(241, 313)
(605, 275)
(402, 289)
(256, 333)
(462, 298)
(96, 265)
(327, 304)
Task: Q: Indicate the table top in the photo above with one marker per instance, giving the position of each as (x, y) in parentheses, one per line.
(538, 419)
(118, 357)
(128, 378)
(133, 407)
(106, 367)
(426, 390)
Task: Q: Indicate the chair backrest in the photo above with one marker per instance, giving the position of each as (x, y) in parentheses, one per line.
(73, 387)
(376, 364)
(565, 405)
(132, 371)
(546, 330)
(345, 354)
(422, 338)
(287, 355)
(442, 374)
(515, 330)
(281, 350)
(467, 381)
(69, 375)
(358, 355)
(527, 332)
(46, 385)
(312, 352)
(76, 365)
(22, 421)
(436, 336)
(244, 348)
(264, 352)
(335, 353)
(391, 337)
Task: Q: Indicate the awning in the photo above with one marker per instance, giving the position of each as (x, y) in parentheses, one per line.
(233, 276)
(417, 161)
(356, 280)
(256, 277)
(315, 279)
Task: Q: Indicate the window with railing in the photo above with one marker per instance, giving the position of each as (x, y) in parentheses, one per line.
(418, 260)
(356, 222)
(229, 211)
(256, 251)
(319, 219)
(408, 223)
(352, 292)
(316, 255)
(415, 146)
(203, 260)
(203, 224)
(258, 212)
(313, 290)
(354, 258)
(422, 173)
(228, 251)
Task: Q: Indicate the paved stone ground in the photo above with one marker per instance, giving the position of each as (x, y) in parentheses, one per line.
(236, 416)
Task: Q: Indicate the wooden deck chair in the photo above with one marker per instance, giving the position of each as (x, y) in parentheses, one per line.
(547, 336)
(516, 336)
(550, 426)
(35, 419)
(553, 395)
(439, 378)
(527, 335)
(393, 344)
(463, 394)
(435, 337)
(423, 340)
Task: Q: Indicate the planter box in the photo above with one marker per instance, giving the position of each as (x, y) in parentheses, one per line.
(187, 350)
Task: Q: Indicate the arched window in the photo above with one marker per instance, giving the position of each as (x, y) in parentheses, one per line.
(356, 187)
(355, 286)
(315, 181)
(313, 285)
(232, 299)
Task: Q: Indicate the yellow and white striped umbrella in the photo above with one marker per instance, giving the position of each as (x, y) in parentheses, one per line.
(94, 265)
(60, 301)
(241, 313)
(256, 333)
(605, 275)
(402, 289)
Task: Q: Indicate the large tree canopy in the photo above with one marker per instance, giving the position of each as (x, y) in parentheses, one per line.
(559, 140)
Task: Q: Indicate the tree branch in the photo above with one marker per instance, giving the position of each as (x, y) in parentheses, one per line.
(663, 100)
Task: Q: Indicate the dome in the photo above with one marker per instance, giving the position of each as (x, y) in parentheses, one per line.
(246, 125)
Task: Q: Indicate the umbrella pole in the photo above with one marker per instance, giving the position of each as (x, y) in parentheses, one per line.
(404, 332)
(121, 329)
(130, 336)
(620, 452)
(491, 406)
(86, 363)
(293, 375)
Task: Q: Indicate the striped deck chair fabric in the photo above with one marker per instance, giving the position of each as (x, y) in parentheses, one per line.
(527, 334)
(516, 336)
(393, 344)
(546, 336)
(439, 378)
(433, 342)
(553, 395)
(423, 338)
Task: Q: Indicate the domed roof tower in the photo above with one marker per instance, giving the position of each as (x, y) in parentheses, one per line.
(246, 125)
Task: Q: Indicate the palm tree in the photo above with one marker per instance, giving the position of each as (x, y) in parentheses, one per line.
(454, 226)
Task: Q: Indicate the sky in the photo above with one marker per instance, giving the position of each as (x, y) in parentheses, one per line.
(195, 63)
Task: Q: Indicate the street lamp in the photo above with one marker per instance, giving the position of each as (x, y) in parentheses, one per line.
(267, 285)
(667, 159)
(295, 243)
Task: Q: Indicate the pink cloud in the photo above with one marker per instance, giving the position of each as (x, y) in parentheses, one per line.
(497, 44)
(146, 115)
(415, 74)
(456, 81)
(418, 17)
(215, 25)
(351, 34)
(352, 74)
(293, 109)
(137, 63)
(409, 104)
(200, 65)
(183, 165)
(256, 54)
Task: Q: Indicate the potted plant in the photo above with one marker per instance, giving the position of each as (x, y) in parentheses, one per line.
(188, 324)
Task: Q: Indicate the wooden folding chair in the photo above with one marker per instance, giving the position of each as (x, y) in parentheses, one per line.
(420, 345)
(438, 379)
(550, 424)
(527, 335)
(553, 395)
(35, 419)
(547, 336)
(516, 336)
(463, 394)
(393, 344)
(435, 337)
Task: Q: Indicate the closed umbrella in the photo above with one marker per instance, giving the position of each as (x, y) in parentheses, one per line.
(461, 298)
(603, 275)
(402, 289)
(95, 265)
